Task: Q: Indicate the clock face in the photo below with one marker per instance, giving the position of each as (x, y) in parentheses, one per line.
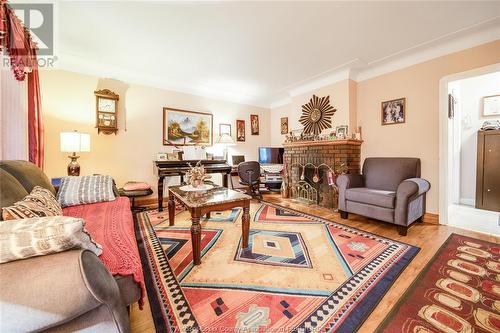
(107, 105)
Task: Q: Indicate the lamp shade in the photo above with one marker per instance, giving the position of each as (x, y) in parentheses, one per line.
(225, 139)
(75, 142)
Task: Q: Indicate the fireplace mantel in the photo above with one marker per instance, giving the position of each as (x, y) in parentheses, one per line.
(323, 143)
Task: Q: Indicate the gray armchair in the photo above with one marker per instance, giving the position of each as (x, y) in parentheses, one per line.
(390, 189)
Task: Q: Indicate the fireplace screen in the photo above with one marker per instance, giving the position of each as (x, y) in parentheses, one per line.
(303, 191)
(313, 184)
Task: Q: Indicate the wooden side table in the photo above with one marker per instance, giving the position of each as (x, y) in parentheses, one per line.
(202, 203)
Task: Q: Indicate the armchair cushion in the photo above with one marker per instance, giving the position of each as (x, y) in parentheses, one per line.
(369, 196)
(386, 173)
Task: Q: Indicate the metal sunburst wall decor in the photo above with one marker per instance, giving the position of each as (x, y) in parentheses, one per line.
(317, 115)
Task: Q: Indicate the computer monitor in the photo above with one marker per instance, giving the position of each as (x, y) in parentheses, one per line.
(268, 155)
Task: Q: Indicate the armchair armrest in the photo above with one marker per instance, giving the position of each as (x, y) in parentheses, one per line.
(409, 190)
(46, 291)
(348, 181)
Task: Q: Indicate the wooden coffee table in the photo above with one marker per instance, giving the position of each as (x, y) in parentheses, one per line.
(202, 203)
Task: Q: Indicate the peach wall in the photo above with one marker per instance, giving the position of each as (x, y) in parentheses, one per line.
(339, 99)
(419, 136)
(69, 103)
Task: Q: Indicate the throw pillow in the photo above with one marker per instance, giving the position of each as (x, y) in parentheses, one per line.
(25, 238)
(39, 203)
(84, 190)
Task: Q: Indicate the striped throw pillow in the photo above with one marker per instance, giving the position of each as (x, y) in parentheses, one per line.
(85, 190)
(39, 203)
(38, 236)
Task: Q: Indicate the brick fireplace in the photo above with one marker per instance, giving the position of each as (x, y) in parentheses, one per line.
(303, 160)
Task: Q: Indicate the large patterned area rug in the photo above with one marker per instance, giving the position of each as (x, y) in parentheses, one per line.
(300, 273)
(458, 291)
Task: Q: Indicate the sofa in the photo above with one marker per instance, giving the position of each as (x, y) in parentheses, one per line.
(389, 189)
(73, 290)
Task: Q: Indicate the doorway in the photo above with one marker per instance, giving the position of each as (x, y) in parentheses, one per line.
(459, 126)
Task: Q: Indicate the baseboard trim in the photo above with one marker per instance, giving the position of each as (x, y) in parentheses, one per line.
(431, 218)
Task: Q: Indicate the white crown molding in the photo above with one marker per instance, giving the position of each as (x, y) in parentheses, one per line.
(338, 75)
(478, 34)
(357, 70)
(72, 63)
(280, 103)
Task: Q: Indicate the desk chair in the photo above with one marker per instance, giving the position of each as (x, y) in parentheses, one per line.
(249, 173)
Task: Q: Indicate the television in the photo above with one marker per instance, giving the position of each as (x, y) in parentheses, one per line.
(268, 155)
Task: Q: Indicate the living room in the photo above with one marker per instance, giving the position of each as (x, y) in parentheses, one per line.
(174, 166)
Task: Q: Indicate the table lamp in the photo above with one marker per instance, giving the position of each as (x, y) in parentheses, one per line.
(74, 142)
(225, 140)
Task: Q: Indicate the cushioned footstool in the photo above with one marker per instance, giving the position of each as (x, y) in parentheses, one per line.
(134, 190)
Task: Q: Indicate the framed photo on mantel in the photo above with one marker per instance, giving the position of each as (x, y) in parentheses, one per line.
(187, 128)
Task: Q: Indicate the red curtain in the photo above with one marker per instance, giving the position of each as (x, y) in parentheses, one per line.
(16, 41)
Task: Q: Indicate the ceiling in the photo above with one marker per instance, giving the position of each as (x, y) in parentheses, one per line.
(252, 52)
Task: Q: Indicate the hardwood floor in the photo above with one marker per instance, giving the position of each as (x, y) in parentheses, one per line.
(428, 237)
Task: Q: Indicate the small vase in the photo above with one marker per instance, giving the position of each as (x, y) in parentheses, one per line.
(197, 183)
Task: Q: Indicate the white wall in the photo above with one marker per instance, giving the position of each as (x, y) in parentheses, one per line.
(471, 95)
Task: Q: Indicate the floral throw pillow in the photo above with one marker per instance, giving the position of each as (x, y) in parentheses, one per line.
(39, 203)
(25, 238)
(85, 190)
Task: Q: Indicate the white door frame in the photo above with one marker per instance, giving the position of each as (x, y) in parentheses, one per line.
(445, 177)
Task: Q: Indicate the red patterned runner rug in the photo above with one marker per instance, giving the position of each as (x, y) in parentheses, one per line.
(458, 291)
(300, 273)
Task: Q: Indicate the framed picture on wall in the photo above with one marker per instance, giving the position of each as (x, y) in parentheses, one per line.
(394, 111)
(186, 128)
(491, 106)
(240, 130)
(225, 129)
(254, 124)
(284, 125)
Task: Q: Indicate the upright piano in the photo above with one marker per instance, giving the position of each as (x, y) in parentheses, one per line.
(179, 168)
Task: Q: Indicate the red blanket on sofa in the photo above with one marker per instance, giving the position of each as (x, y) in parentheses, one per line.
(111, 225)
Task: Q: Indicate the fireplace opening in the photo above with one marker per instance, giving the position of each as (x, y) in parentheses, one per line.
(310, 184)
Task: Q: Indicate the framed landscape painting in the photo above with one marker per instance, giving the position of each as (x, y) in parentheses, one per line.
(394, 111)
(186, 128)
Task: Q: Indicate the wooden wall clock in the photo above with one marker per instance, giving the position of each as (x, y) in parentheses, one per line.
(317, 115)
(106, 111)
